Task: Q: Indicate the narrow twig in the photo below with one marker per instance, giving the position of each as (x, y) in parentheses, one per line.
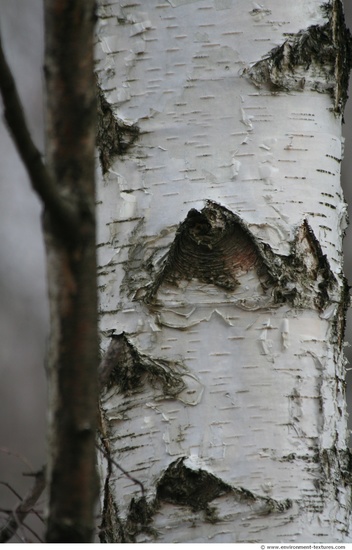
(41, 181)
(19, 456)
(17, 517)
(25, 526)
(10, 488)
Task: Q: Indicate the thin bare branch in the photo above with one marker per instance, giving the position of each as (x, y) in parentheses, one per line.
(33, 532)
(17, 517)
(10, 488)
(41, 180)
(19, 456)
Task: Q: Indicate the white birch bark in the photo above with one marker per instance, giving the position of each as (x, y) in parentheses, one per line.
(220, 232)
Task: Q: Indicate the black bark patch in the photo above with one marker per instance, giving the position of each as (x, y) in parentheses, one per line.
(132, 369)
(188, 487)
(340, 317)
(215, 246)
(196, 488)
(343, 47)
(318, 57)
(114, 136)
(140, 519)
(181, 486)
(336, 464)
(306, 271)
(111, 525)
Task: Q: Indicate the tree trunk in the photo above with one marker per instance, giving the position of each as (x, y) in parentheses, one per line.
(220, 270)
(71, 260)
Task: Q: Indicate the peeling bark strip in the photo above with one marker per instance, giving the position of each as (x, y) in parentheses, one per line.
(114, 136)
(318, 58)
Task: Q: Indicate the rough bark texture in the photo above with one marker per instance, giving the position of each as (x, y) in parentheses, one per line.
(73, 355)
(220, 272)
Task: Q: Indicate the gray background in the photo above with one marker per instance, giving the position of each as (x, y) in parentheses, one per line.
(23, 302)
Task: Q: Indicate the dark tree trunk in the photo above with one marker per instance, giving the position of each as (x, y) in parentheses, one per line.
(73, 356)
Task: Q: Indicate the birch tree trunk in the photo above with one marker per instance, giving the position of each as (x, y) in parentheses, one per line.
(220, 269)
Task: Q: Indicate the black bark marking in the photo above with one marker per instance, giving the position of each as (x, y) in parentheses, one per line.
(140, 519)
(335, 463)
(308, 264)
(340, 317)
(196, 488)
(132, 369)
(114, 136)
(188, 487)
(215, 246)
(324, 50)
(111, 526)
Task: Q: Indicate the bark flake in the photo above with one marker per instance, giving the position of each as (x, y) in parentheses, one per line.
(306, 272)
